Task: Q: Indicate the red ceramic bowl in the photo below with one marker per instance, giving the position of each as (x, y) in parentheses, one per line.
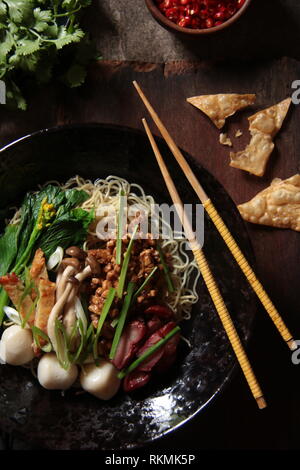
(166, 23)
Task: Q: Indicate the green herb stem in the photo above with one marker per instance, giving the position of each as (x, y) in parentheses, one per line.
(123, 273)
(106, 308)
(69, 13)
(148, 353)
(120, 228)
(3, 301)
(122, 319)
(166, 270)
(142, 287)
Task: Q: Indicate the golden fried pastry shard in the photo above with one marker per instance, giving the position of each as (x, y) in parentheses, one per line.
(277, 206)
(225, 140)
(263, 127)
(221, 106)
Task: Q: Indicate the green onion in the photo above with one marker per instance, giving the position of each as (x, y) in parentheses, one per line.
(106, 308)
(80, 325)
(72, 335)
(29, 287)
(148, 353)
(122, 319)
(114, 322)
(36, 332)
(88, 344)
(142, 287)
(166, 270)
(124, 269)
(120, 227)
(62, 351)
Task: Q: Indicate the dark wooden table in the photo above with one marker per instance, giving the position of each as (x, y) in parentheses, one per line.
(233, 420)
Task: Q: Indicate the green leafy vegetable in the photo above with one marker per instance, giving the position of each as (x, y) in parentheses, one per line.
(49, 218)
(8, 248)
(32, 36)
(148, 353)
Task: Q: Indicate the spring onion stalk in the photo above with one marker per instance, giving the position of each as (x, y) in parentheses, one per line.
(148, 353)
(124, 269)
(114, 322)
(55, 259)
(142, 287)
(120, 227)
(87, 346)
(122, 319)
(166, 270)
(29, 287)
(62, 351)
(37, 332)
(106, 308)
(3, 301)
(13, 315)
(80, 313)
(74, 358)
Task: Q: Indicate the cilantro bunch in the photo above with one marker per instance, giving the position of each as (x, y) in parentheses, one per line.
(32, 36)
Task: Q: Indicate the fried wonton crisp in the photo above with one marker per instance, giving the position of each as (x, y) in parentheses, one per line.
(277, 206)
(221, 106)
(263, 127)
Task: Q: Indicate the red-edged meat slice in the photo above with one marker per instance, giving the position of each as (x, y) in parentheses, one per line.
(135, 379)
(154, 358)
(132, 335)
(161, 311)
(148, 364)
(169, 354)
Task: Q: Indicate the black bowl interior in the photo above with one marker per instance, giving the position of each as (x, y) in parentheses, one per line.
(80, 421)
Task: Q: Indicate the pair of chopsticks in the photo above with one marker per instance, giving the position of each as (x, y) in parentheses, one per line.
(200, 257)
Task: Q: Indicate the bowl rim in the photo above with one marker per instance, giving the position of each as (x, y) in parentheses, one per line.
(162, 19)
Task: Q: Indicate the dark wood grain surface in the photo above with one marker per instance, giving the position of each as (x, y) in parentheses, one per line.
(233, 420)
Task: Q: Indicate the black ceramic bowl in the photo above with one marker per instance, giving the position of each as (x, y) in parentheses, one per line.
(81, 421)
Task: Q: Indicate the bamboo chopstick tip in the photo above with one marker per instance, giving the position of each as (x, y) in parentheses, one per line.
(261, 402)
(292, 344)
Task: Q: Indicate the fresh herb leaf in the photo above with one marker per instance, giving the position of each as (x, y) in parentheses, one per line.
(8, 248)
(33, 33)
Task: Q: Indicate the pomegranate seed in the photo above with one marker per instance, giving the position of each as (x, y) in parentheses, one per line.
(184, 22)
(199, 13)
(209, 22)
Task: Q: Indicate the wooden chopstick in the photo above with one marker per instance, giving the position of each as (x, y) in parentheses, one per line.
(209, 279)
(221, 227)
